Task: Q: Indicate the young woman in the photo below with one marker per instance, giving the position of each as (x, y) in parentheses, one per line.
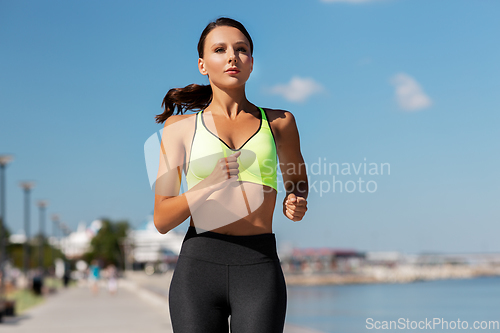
(228, 271)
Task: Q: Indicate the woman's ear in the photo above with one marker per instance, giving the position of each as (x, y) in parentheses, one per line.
(201, 66)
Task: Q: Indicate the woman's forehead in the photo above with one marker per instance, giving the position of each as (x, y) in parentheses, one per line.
(225, 35)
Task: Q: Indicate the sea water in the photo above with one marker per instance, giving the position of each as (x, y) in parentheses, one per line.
(419, 306)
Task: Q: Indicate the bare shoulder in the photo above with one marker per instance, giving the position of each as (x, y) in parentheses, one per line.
(280, 120)
(179, 128)
(178, 117)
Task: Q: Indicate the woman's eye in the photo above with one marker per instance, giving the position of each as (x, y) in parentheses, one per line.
(241, 48)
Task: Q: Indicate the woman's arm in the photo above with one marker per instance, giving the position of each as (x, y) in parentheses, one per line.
(170, 208)
(170, 211)
(293, 168)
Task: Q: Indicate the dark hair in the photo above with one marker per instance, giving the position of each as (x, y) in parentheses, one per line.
(195, 96)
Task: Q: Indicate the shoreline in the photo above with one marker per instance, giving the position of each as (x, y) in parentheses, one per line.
(400, 274)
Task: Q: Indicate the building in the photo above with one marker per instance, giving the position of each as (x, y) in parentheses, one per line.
(151, 247)
(77, 243)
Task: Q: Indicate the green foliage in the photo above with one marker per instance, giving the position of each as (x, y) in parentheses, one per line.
(15, 251)
(5, 229)
(15, 254)
(107, 244)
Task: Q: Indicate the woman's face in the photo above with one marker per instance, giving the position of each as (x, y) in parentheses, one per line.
(226, 47)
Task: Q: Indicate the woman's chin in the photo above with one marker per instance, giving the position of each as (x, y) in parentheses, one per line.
(232, 85)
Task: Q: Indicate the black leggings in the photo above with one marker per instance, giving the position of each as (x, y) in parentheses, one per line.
(217, 276)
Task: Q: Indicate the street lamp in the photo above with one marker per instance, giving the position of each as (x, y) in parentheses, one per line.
(67, 250)
(42, 204)
(67, 244)
(26, 186)
(55, 221)
(4, 160)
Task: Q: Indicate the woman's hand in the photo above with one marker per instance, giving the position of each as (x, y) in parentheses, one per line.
(294, 207)
(225, 172)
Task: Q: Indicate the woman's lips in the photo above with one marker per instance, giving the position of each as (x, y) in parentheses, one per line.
(233, 70)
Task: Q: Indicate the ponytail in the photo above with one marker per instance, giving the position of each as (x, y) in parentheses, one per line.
(191, 97)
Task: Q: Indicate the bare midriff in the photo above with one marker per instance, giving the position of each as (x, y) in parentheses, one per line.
(257, 222)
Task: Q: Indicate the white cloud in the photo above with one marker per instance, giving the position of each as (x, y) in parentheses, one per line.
(298, 89)
(409, 94)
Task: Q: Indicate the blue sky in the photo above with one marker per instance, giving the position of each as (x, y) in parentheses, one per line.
(414, 84)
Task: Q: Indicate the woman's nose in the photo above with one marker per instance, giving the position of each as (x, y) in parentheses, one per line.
(232, 56)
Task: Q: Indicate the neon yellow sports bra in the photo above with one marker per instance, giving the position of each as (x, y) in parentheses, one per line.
(257, 161)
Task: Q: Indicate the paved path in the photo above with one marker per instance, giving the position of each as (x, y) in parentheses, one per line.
(76, 310)
(141, 305)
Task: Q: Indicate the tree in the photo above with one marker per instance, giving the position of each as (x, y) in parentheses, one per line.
(5, 230)
(106, 246)
(15, 253)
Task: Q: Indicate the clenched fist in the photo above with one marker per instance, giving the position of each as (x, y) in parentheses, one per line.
(294, 207)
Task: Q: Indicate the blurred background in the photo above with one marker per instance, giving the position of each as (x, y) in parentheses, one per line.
(396, 102)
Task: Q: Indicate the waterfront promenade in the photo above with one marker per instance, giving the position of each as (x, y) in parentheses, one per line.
(140, 305)
(76, 310)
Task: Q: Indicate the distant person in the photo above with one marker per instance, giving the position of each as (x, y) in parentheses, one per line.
(228, 264)
(38, 283)
(94, 276)
(112, 279)
(66, 278)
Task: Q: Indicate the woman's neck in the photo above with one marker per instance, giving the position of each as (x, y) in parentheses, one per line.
(229, 103)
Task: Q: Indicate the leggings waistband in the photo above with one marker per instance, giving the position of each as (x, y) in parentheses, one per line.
(229, 249)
